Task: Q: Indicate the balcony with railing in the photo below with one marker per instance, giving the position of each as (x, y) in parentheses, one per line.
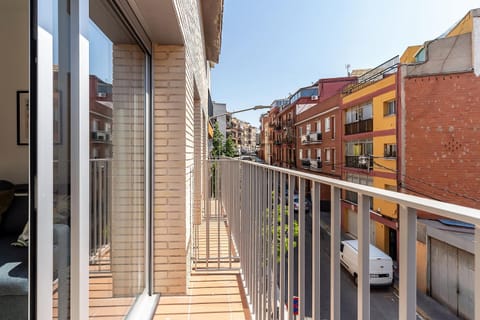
(297, 254)
(315, 137)
(359, 162)
(360, 126)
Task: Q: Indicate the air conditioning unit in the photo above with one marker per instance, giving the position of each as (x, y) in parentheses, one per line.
(314, 97)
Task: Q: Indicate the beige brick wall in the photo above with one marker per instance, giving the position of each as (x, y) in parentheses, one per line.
(180, 82)
(170, 192)
(128, 171)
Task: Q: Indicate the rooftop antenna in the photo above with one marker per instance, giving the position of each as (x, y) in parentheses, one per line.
(347, 66)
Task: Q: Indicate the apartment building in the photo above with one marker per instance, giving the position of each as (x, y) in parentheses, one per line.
(143, 67)
(302, 98)
(243, 135)
(438, 155)
(318, 132)
(370, 150)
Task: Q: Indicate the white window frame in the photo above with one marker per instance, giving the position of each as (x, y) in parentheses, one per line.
(327, 155)
(327, 124)
(319, 126)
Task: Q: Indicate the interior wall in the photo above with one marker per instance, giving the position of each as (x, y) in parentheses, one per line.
(14, 61)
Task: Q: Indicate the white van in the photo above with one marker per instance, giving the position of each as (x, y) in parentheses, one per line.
(381, 266)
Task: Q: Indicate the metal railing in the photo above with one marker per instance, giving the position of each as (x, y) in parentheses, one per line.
(254, 201)
(359, 127)
(100, 209)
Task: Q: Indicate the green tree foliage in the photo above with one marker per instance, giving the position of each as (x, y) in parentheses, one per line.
(217, 140)
(285, 230)
(229, 149)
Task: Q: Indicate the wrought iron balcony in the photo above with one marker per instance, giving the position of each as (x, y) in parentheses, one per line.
(359, 127)
(315, 137)
(305, 139)
(359, 162)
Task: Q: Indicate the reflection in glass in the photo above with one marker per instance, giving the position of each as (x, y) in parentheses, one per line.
(117, 157)
(61, 157)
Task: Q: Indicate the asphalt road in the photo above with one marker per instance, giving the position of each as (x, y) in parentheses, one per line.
(383, 300)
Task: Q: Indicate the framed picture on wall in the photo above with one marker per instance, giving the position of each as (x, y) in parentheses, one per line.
(23, 115)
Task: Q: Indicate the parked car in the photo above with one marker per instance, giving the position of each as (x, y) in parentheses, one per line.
(308, 204)
(381, 265)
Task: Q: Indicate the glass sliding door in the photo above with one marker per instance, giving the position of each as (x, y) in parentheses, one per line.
(61, 111)
(14, 161)
(117, 163)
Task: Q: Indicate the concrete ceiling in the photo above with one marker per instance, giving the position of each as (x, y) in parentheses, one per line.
(159, 19)
(212, 13)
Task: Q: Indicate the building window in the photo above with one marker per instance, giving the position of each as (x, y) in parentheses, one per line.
(359, 113)
(327, 124)
(300, 154)
(300, 131)
(319, 154)
(389, 108)
(390, 150)
(333, 159)
(327, 155)
(309, 153)
(309, 128)
(319, 126)
(332, 121)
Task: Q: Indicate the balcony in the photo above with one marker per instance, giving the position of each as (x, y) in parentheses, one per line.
(260, 241)
(359, 162)
(315, 164)
(360, 126)
(305, 139)
(305, 163)
(315, 137)
(101, 136)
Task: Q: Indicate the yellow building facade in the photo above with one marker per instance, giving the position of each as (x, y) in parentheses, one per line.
(370, 134)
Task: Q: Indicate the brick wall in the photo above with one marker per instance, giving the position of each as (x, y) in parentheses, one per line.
(128, 171)
(441, 131)
(180, 84)
(169, 169)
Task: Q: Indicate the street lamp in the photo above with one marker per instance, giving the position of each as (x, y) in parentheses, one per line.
(238, 111)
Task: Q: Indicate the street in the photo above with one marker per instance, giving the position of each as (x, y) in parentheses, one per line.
(383, 300)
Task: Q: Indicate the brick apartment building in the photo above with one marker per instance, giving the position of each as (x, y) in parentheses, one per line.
(439, 154)
(319, 131)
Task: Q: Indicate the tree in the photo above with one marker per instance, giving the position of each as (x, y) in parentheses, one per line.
(229, 149)
(217, 141)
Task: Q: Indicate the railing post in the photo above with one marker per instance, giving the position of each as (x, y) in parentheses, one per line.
(301, 248)
(316, 245)
(273, 282)
(408, 258)
(291, 256)
(363, 277)
(282, 250)
(268, 232)
(335, 254)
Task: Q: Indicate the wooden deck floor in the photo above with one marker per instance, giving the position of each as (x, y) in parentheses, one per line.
(215, 292)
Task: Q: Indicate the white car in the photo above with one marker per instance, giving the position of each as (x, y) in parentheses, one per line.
(381, 265)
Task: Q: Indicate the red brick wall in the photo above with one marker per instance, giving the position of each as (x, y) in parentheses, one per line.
(442, 137)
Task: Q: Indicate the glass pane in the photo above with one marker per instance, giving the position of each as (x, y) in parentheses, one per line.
(117, 163)
(61, 158)
(14, 160)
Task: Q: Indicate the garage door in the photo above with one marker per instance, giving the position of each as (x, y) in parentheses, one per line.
(353, 229)
(451, 274)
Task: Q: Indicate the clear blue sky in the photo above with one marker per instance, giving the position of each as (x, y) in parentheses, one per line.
(270, 48)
